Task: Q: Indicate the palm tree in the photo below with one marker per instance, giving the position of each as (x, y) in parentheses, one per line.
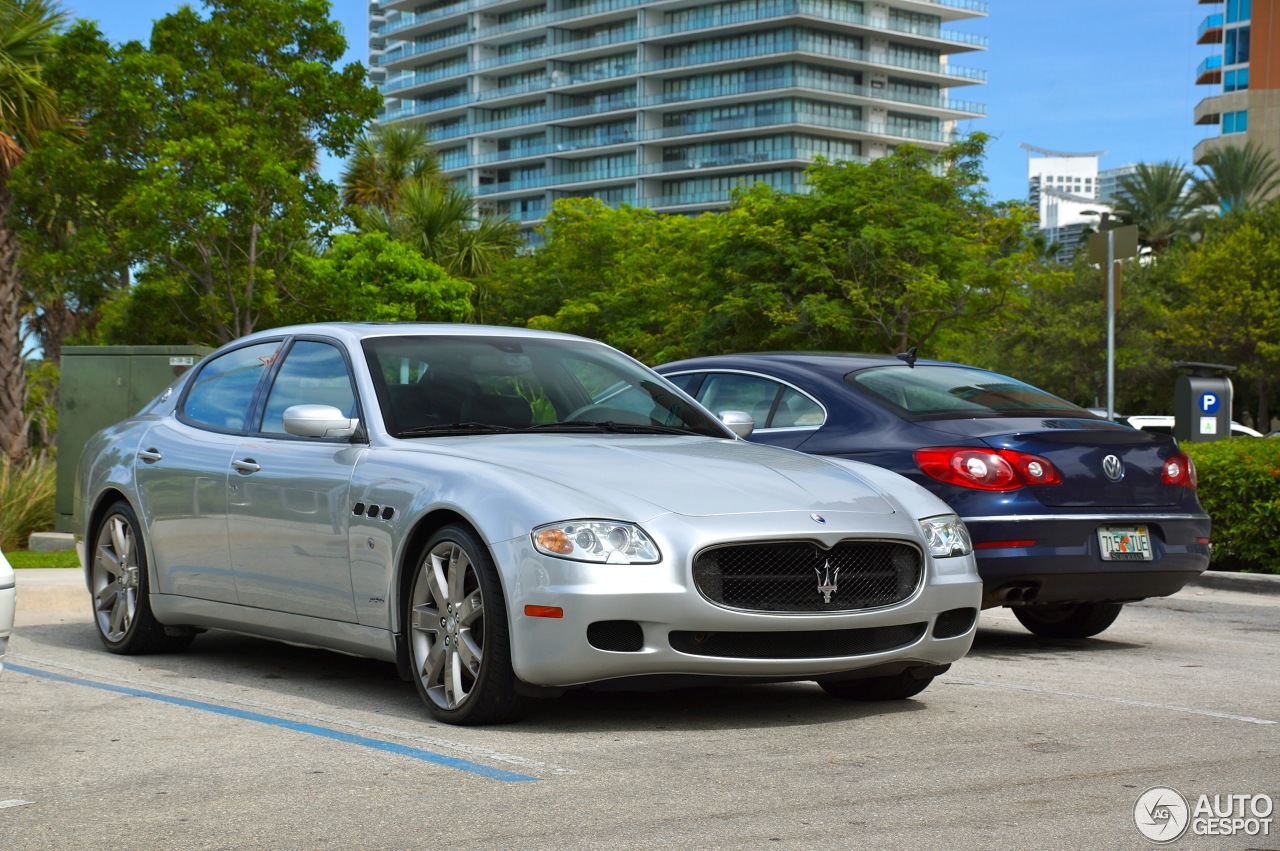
(437, 218)
(1237, 178)
(384, 160)
(28, 107)
(1155, 199)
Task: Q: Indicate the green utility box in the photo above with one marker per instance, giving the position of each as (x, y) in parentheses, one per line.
(100, 386)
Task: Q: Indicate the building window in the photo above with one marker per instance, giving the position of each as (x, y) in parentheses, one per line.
(1239, 10)
(1235, 81)
(1236, 46)
(1235, 122)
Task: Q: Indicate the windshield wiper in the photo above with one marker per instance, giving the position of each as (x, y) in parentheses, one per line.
(454, 429)
(608, 427)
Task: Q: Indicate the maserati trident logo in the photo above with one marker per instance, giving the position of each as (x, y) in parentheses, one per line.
(827, 580)
(1113, 467)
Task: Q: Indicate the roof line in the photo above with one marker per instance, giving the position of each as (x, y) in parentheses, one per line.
(1048, 153)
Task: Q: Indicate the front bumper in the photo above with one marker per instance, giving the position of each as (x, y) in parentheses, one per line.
(1058, 558)
(685, 636)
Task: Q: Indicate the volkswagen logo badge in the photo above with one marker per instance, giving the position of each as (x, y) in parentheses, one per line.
(818, 518)
(1113, 467)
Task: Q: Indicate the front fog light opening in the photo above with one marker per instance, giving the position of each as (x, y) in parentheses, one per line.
(946, 536)
(599, 541)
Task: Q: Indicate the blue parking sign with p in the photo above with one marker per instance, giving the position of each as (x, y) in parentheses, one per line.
(1209, 403)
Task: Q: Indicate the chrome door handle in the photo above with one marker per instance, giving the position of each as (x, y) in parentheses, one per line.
(245, 465)
(150, 456)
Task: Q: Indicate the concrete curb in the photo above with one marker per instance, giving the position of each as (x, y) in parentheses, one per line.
(1252, 583)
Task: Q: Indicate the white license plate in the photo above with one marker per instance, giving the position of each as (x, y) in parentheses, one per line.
(1125, 543)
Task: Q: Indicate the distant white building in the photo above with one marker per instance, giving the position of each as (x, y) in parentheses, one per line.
(1065, 188)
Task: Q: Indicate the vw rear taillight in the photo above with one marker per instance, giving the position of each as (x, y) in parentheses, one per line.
(984, 469)
(1179, 470)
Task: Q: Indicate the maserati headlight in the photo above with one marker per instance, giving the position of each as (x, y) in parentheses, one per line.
(946, 536)
(602, 541)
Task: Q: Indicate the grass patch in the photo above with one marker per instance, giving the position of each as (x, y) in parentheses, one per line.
(25, 558)
(26, 501)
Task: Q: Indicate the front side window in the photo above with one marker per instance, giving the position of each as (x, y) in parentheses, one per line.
(313, 373)
(223, 390)
(939, 392)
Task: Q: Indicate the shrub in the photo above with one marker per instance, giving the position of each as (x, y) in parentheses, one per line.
(1240, 488)
(26, 501)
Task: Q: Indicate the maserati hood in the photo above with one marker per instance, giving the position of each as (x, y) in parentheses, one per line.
(691, 476)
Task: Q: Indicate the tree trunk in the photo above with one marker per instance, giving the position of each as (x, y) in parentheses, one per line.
(14, 441)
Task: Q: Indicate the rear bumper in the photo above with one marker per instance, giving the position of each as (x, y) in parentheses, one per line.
(1058, 559)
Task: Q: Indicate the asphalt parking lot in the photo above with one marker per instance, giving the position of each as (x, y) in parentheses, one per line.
(1026, 743)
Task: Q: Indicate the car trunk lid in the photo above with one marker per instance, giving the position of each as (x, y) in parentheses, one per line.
(1080, 449)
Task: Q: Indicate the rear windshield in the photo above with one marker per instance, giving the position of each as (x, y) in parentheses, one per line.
(938, 392)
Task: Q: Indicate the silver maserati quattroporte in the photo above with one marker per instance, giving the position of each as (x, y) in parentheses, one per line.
(508, 514)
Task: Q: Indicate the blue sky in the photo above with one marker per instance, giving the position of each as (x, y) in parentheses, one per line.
(1067, 75)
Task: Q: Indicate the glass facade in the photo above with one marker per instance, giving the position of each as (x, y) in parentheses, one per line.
(644, 103)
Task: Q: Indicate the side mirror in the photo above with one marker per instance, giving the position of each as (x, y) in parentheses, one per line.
(739, 422)
(318, 421)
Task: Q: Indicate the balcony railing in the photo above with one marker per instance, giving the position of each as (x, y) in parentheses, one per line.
(513, 154)
(408, 81)
(802, 80)
(408, 51)
(1210, 31)
(801, 44)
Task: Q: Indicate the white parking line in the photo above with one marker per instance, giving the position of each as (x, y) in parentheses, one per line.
(1124, 701)
(14, 802)
(459, 747)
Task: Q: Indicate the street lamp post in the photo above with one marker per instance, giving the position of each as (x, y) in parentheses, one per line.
(1109, 237)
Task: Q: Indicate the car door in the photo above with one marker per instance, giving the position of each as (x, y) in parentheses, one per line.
(181, 474)
(783, 415)
(287, 496)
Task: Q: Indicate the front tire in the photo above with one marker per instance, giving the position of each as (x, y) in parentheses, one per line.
(459, 641)
(1067, 620)
(118, 579)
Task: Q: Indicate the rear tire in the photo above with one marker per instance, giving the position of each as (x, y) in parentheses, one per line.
(458, 637)
(1067, 620)
(121, 589)
(898, 687)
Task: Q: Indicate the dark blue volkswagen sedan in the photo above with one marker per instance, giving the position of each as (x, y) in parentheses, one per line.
(1071, 515)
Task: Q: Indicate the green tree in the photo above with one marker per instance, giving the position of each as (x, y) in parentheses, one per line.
(28, 109)
(1232, 314)
(1053, 334)
(440, 220)
(1155, 199)
(76, 254)
(1237, 178)
(879, 256)
(629, 277)
(228, 192)
(371, 277)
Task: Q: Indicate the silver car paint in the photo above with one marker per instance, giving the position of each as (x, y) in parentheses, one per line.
(339, 589)
(8, 605)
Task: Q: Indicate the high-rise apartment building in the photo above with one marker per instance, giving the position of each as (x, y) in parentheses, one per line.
(667, 104)
(1244, 71)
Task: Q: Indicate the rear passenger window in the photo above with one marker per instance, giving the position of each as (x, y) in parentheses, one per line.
(225, 387)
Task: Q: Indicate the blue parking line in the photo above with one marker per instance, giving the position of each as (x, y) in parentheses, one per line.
(325, 732)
